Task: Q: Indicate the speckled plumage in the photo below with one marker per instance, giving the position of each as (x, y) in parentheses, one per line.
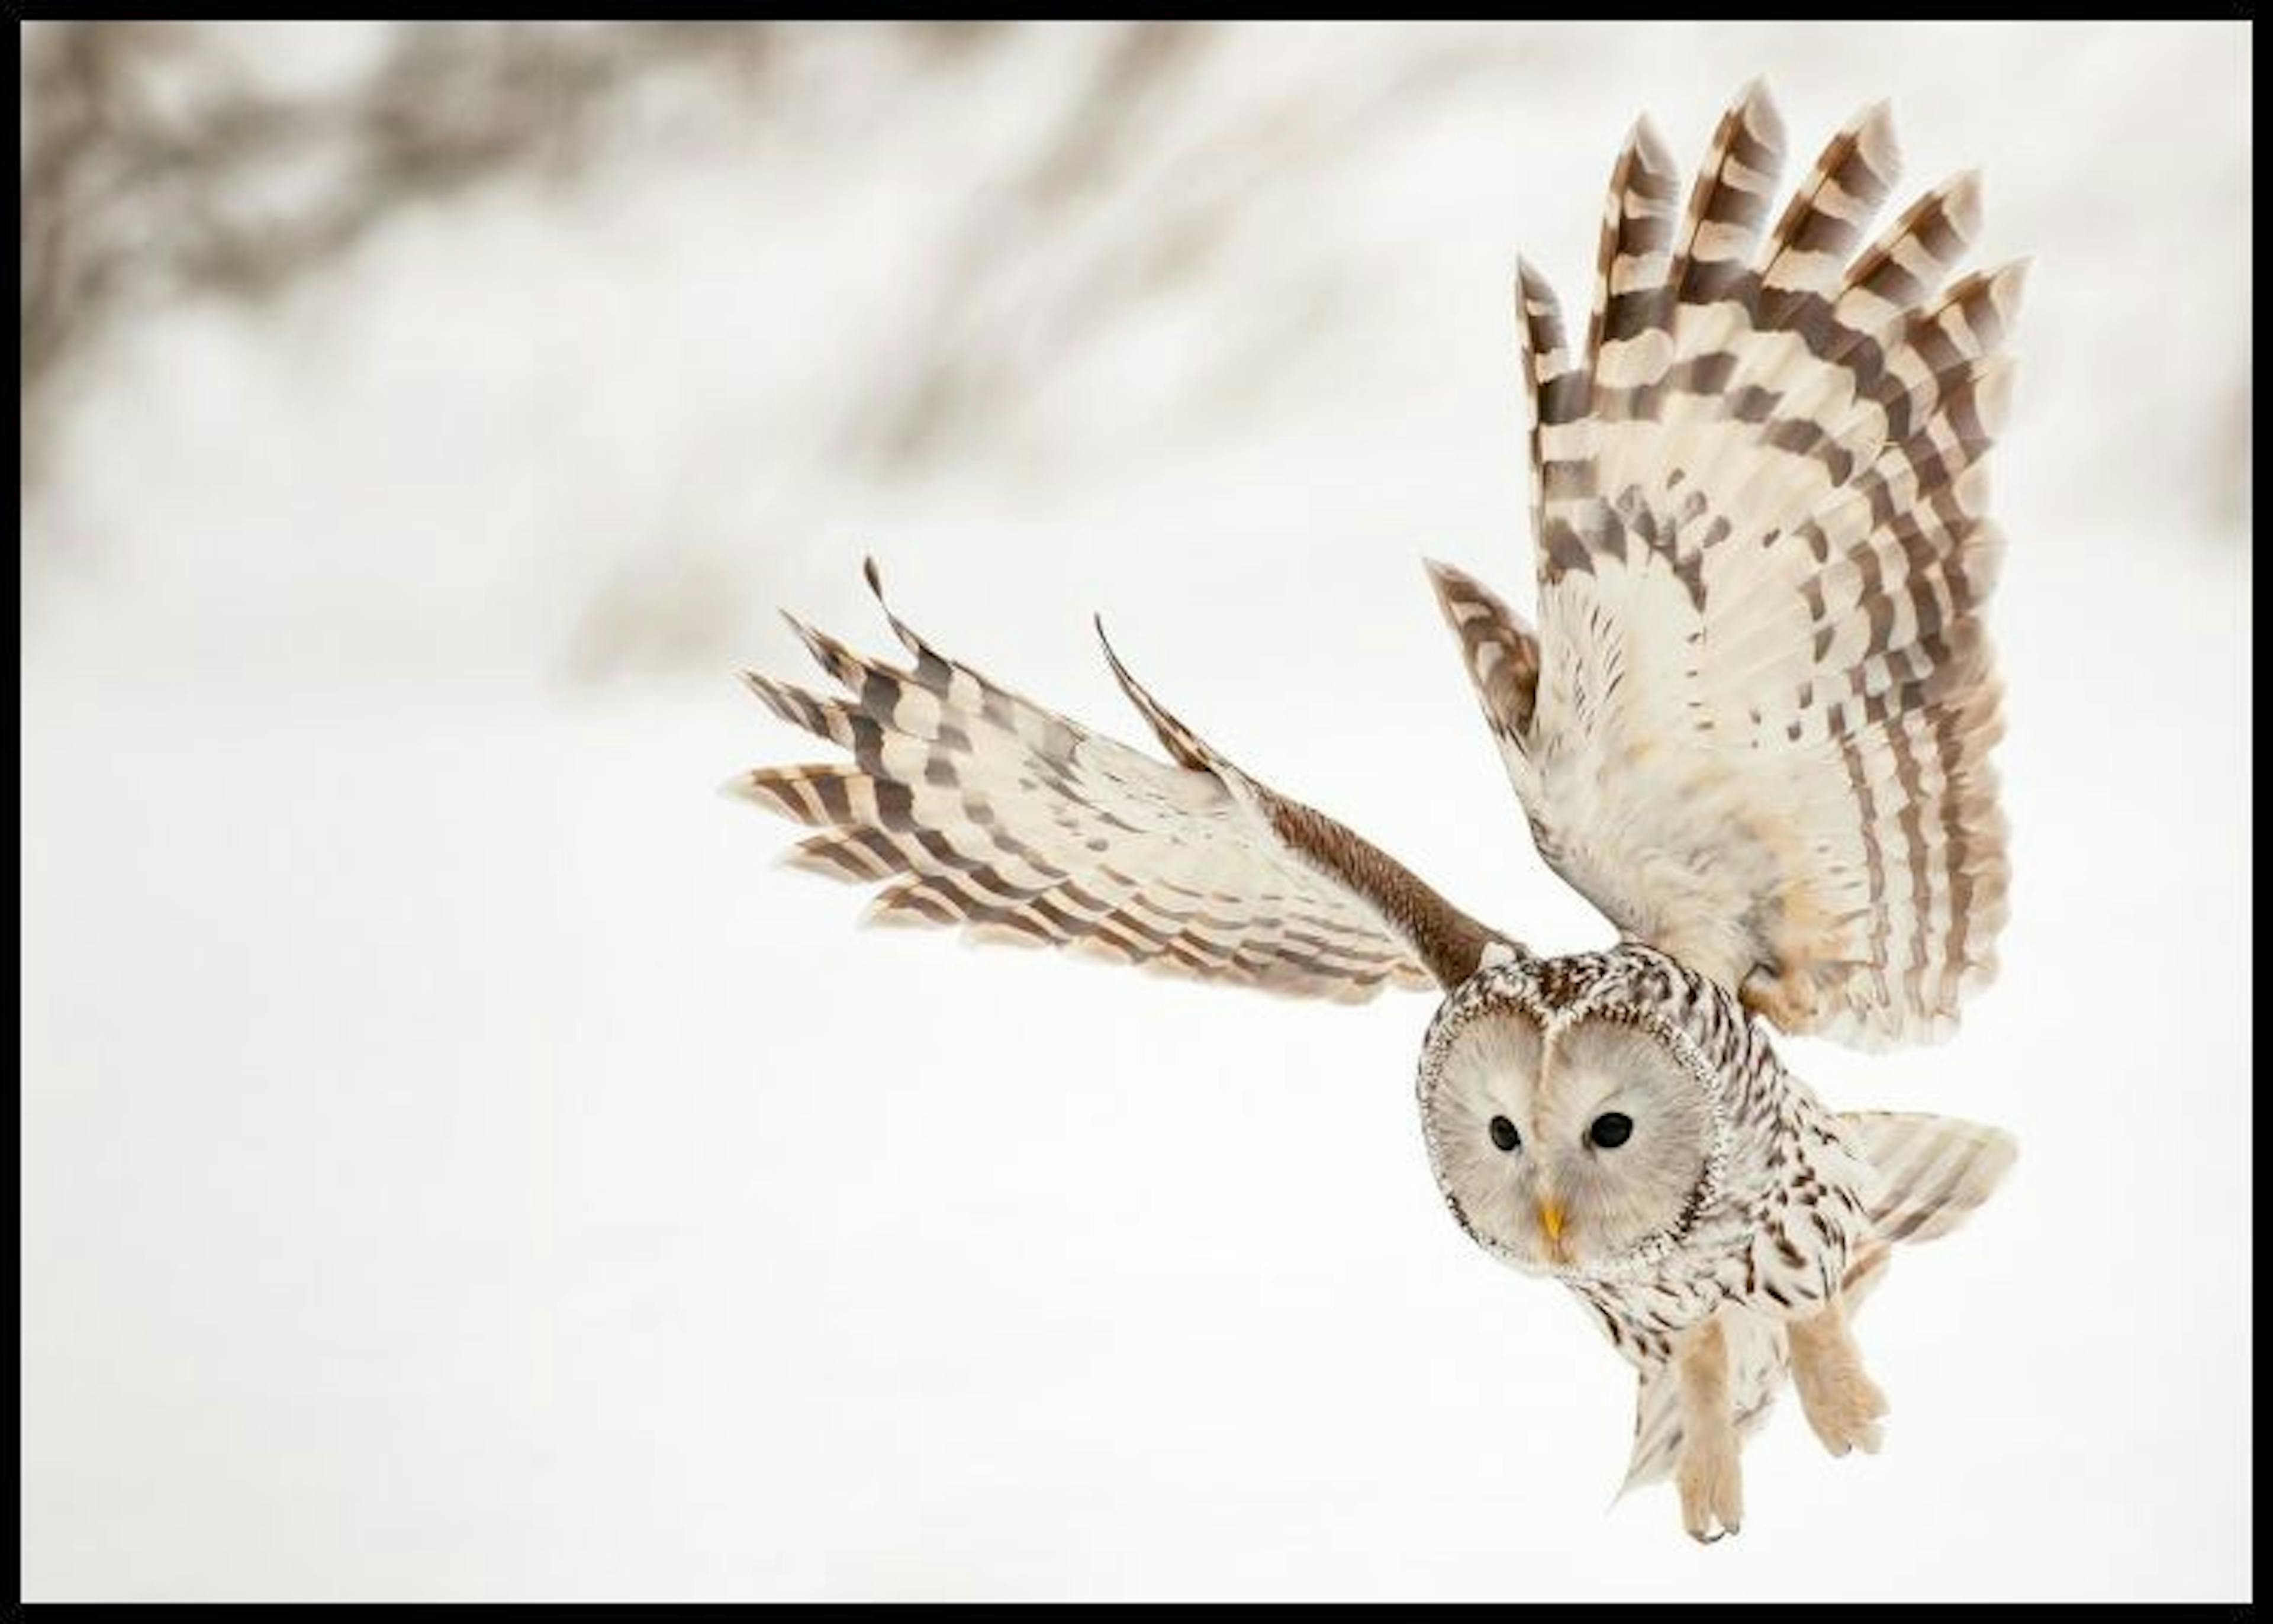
(1781, 1206)
(1799, 1203)
(1752, 726)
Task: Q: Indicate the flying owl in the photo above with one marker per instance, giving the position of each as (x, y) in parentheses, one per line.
(1751, 727)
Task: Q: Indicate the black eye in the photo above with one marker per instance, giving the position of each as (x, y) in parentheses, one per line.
(1504, 1134)
(1611, 1129)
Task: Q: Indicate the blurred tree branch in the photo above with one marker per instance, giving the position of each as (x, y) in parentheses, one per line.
(158, 165)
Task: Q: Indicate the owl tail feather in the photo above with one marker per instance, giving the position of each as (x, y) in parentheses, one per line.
(1932, 1173)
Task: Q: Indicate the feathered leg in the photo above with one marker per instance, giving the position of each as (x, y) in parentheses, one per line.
(1711, 1473)
(1843, 1404)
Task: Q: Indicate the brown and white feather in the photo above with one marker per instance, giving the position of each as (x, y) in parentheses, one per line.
(1754, 723)
(977, 809)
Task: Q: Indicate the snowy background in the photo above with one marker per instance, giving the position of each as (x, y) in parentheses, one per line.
(457, 1163)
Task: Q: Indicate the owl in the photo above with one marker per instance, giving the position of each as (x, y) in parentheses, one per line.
(1752, 726)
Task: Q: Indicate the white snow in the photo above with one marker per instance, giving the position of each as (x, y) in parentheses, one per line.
(457, 1164)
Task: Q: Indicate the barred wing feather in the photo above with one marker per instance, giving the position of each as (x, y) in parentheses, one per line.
(977, 809)
(1753, 724)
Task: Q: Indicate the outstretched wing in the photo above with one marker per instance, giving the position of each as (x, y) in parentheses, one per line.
(981, 810)
(1756, 717)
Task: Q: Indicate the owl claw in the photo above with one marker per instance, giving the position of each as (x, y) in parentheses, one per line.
(1712, 1484)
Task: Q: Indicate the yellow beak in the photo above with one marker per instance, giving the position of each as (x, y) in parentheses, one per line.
(1550, 1219)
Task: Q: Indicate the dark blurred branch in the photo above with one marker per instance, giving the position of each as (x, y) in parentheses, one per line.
(148, 147)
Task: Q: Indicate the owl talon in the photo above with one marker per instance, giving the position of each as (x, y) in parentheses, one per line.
(1712, 1485)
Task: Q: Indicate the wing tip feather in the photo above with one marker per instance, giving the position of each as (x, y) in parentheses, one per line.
(778, 696)
(2009, 288)
(1960, 198)
(1874, 134)
(752, 788)
(1647, 143)
(1179, 741)
(1757, 94)
(1442, 574)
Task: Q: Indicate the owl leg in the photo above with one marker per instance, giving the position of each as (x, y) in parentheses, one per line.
(1710, 1474)
(1843, 1405)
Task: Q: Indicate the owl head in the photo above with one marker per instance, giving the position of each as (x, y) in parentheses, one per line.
(1575, 1126)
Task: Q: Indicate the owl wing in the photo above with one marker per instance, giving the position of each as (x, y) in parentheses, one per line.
(979, 809)
(1753, 724)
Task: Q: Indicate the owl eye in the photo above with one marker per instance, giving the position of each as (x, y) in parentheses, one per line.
(1611, 1129)
(1504, 1134)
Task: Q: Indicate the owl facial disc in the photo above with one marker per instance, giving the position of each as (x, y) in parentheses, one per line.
(1580, 1136)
